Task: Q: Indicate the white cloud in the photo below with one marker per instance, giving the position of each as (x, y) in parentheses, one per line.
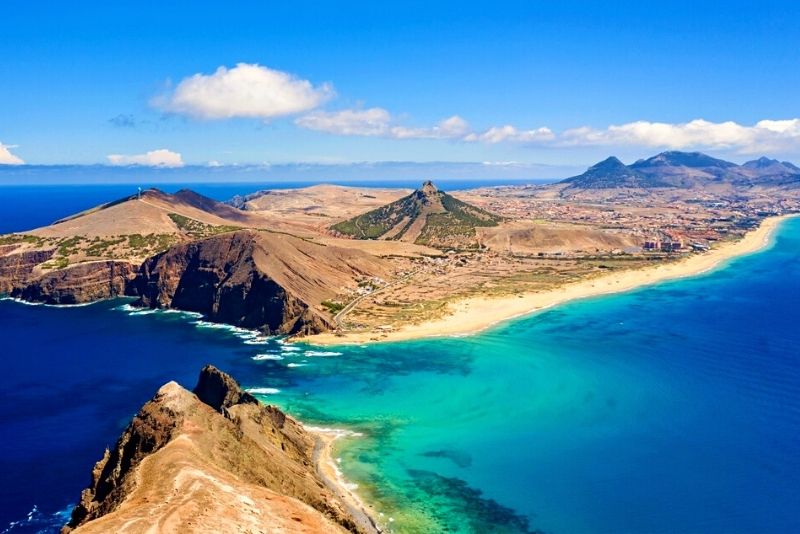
(378, 122)
(7, 158)
(764, 136)
(508, 133)
(246, 90)
(367, 122)
(155, 158)
(450, 128)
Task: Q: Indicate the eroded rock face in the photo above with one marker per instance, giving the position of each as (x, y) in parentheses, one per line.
(211, 461)
(152, 428)
(83, 282)
(266, 281)
(15, 268)
(219, 390)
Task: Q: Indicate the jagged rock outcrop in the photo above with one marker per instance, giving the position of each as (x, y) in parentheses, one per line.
(269, 281)
(76, 284)
(211, 461)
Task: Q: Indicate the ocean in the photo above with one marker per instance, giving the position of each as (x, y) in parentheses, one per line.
(673, 408)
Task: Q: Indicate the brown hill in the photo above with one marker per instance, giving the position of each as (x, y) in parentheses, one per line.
(271, 281)
(212, 460)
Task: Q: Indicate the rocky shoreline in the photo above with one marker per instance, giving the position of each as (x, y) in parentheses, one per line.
(244, 278)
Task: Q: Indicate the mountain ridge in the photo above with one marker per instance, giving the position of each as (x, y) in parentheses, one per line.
(683, 170)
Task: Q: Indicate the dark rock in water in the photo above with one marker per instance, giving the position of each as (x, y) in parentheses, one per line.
(220, 390)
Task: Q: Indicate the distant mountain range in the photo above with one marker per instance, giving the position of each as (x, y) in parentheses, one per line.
(685, 170)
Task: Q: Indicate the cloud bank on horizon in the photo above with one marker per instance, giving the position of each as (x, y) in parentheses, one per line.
(154, 158)
(255, 91)
(7, 158)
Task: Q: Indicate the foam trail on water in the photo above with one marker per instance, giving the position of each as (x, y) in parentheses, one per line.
(263, 391)
(321, 353)
(267, 356)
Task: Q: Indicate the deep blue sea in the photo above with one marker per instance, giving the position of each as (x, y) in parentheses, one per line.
(674, 408)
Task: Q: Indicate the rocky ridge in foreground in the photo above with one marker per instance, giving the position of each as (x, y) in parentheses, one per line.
(212, 460)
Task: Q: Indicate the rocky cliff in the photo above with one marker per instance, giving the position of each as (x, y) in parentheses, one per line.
(84, 282)
(269, 281)
(212, 460)
(16, 267)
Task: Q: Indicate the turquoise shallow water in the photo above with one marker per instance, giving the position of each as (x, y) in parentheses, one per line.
(674, 408)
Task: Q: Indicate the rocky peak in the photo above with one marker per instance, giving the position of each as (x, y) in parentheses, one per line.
(428, 188)
(219, 390)
(609, 163)
(676, 158)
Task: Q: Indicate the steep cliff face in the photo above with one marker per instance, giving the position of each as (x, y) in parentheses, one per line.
(84, 282)
(16, 267)
(262, 280)
(211, 461)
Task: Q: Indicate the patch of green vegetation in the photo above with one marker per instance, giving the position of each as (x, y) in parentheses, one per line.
(151, 242)
(56, 263)
(69, 245)
(100, 247)
(377, 222)
(441, 226)
(333, 306)
(460, 219)
(13, 239)
(469, 214)
(197, 228)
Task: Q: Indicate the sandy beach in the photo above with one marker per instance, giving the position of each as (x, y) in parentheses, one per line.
(327, 467)
(473, 315)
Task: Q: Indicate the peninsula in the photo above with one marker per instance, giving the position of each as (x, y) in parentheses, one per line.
(334, 264)
(207, 459)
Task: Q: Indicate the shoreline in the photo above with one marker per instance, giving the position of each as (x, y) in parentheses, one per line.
(327, 468)
(476, 314)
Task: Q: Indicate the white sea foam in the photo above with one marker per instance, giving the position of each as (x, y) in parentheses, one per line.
(25, 302)
(289, 348)
(321, 353)
(258, 340)
(190, 314)
(336, 432)
(236, 330)
(296, 364)
(267, 356)
(263, 391)
(146, 311)
(29, 303)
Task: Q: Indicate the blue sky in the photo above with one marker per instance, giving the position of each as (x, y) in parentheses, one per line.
(559, 83)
